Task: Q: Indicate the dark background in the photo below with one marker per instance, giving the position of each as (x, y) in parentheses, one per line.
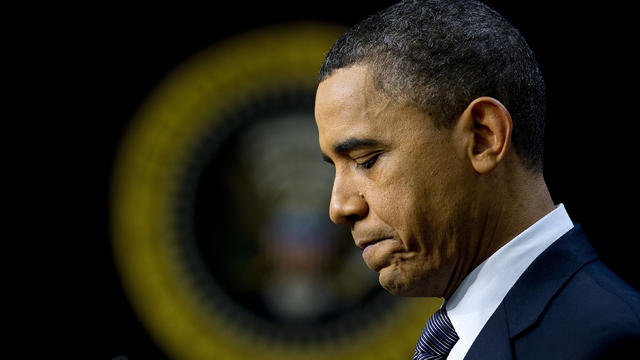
(85, 71)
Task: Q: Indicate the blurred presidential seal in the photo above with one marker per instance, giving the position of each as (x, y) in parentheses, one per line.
(220, 228)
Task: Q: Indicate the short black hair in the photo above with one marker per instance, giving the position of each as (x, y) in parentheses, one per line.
(439, 55)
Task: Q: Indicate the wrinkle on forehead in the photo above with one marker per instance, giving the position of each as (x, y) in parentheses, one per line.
(349, 106)
(349, 99)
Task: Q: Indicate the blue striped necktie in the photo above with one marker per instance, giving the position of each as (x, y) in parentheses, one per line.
(437, 338)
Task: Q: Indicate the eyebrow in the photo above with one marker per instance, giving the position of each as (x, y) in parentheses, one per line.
(352, 144)
(349, 145)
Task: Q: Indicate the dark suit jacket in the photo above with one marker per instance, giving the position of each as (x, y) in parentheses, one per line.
(566, 305)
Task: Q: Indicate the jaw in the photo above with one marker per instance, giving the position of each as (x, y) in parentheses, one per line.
(410, 278)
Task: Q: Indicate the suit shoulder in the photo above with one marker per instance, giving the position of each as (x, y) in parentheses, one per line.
(594, 315)
(596, 299)
(607, 288)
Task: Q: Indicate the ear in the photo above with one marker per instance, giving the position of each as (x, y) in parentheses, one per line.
(487, 126)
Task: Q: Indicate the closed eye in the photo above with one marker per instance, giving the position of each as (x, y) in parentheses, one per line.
(368, 164)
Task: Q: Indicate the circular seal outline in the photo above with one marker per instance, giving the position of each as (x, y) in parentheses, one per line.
(158, 140)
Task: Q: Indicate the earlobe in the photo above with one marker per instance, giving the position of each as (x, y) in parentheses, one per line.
(489, 125)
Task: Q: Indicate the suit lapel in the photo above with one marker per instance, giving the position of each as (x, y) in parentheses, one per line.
(493, 341)
(527, 299)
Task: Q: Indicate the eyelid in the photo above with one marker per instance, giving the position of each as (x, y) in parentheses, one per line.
(371, 159)
(364, 154)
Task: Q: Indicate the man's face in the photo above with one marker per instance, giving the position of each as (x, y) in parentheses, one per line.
(399, 183)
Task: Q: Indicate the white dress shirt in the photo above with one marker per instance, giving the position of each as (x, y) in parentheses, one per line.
(480, 293)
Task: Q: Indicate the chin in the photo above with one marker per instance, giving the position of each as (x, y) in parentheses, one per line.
(399, 284)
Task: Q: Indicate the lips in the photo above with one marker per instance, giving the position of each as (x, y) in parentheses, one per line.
(377, 254)
(368, 243)
(376, 248)
(362, 244)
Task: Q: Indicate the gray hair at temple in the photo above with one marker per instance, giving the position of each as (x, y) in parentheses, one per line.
(439, 55)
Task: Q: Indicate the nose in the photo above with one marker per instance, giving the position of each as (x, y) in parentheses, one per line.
(347, 205)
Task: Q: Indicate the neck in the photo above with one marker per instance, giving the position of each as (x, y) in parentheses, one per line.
(514, 205)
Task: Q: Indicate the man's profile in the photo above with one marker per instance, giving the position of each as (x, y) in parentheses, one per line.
(432, 113)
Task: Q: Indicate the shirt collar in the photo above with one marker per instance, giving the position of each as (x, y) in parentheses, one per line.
(480, 293)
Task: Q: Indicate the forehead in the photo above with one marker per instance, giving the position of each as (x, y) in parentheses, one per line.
(350, 83)
(347, 101)
(348, 106)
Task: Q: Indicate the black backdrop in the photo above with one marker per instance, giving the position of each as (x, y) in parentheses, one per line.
(88, 69)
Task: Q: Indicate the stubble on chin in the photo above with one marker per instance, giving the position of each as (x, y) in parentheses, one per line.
(410, 280)
(402, 287)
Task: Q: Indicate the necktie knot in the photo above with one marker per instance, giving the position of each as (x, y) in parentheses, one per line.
(437, 338)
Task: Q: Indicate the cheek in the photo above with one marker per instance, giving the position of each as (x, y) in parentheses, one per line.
(410, 207)
(426, 216)
(418, 197)
(397, 209)
(400, 192)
